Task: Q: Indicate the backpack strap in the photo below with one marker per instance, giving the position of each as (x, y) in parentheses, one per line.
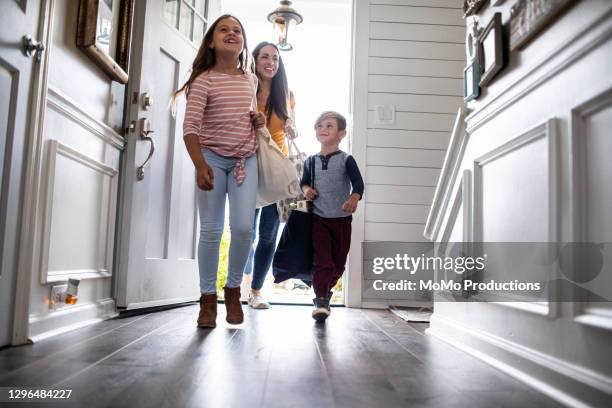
(313, 159)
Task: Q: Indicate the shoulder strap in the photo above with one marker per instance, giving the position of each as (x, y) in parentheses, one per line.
(253, 80)
(312, 170)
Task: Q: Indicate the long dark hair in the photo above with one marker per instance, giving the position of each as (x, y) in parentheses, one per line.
(206, 57)
(279, 90)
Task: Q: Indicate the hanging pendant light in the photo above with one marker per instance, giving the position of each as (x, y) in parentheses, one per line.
(282, 18)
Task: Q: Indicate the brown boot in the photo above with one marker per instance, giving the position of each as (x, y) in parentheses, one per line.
(233, 306)
(208, 311)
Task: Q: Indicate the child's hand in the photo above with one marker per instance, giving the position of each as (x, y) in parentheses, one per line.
(258, 119)
(310, 193)
(205, 177)
(350, 206)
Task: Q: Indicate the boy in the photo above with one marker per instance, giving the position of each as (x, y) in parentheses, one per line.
(332, 205)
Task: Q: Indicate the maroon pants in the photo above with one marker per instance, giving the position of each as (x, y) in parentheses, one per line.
(331, 240)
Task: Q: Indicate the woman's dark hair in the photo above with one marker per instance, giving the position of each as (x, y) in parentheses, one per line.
(279, 90)
(206, 57)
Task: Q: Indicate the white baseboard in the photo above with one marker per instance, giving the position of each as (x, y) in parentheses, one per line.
(71, 318)
(569, 384)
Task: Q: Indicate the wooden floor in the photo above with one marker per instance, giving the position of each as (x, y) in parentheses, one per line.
(277, 358)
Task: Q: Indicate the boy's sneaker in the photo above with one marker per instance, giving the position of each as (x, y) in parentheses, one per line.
(321, 309)
(257, 301)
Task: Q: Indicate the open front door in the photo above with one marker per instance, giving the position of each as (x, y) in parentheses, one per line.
(17, 19)
(158, 223)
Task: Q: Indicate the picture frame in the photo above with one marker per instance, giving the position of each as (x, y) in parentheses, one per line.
(529, 17)
(491, 50)
(471, 79)
(104, 30)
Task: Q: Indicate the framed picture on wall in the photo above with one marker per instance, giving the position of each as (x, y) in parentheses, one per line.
(529, 17)
(103, 34)
(471, 78)
(491, 49)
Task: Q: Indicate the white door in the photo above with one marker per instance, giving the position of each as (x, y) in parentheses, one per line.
(17, 19)
(158, 225)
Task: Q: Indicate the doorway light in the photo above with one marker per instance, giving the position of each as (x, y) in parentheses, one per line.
(282, 18)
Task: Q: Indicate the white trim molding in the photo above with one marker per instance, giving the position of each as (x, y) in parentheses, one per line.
(462, 197)
(567, 383)
(62, 104)
(70, 318)
(547, 131)
(582, 311)
(448, 174)
(107, 220)
(359, 113)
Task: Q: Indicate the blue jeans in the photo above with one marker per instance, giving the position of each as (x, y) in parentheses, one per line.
(260, 259)
(211, 206)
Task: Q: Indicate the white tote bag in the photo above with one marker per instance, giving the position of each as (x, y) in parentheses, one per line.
(278, 178)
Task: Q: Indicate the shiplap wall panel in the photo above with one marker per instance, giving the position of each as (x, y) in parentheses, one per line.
(418, 15)
(402, 176)
(414, 121)
(457, 4)
(414, 85)
(407, 139)
(417, 49)
(424, 103)
(404, 157)
(417, 32)
(416, 67)
(382, 194)
(397, 213)
(416, 59)
(376, 231)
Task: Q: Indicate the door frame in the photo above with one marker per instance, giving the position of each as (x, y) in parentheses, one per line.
(359, 112)
(27, 258)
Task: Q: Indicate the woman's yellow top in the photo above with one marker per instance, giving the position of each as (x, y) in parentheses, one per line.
(276, 126)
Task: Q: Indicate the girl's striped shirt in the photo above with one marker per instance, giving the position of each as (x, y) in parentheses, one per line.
(217, 111)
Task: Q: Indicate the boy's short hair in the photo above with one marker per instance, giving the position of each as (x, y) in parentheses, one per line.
(332, 114)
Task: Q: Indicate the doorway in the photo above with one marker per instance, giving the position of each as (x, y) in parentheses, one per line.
(319, 75)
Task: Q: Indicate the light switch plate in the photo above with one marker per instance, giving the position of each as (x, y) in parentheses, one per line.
(384, 115)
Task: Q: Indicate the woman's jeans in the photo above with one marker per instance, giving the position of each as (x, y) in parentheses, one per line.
(211, 205)
(260, 259)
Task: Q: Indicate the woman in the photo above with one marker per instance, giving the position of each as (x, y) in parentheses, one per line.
(276, 101)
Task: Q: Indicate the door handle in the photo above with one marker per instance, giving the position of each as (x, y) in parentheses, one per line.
(144, 135)
(32, 47)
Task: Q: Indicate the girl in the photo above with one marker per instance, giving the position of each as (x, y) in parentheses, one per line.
(219, 136)
(275, 100)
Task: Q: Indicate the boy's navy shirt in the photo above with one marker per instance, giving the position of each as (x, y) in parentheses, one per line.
(334, 174)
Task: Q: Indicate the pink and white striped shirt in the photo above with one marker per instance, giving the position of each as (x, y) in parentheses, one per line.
(217, 111)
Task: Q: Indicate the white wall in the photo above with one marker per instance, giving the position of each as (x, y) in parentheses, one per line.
(409, 56)
(556, 93)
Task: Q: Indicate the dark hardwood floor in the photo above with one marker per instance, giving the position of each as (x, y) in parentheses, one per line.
(277, 358)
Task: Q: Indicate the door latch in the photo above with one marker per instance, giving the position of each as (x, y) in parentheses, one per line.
(32, 47)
